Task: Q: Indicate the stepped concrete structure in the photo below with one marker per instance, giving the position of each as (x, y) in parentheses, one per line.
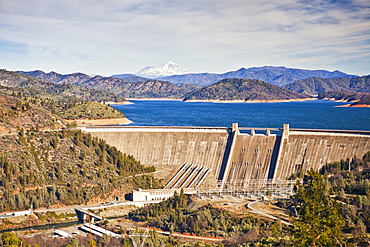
(233, 155)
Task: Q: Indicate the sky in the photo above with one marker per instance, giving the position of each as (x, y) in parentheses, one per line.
(123, 36)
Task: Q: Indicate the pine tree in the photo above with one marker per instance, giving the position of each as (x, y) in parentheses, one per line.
(318, 221)
(10, 239)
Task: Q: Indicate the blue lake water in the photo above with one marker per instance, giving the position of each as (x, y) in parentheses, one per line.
(317, 114)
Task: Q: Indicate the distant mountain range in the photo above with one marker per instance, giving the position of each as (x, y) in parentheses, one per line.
(130, 87)
(307, 82)
(227, 89)
(278, 76)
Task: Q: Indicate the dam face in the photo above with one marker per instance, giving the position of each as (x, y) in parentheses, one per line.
(235, 154)
(169, 146)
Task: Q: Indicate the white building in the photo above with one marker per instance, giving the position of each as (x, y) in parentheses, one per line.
(141, 195)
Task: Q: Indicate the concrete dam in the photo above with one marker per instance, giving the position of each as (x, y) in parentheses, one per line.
(236, 155)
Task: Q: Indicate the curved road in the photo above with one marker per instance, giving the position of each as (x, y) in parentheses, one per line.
(257, 211)
(175, 234)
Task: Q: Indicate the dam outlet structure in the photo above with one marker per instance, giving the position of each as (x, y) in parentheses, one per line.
(234, 157)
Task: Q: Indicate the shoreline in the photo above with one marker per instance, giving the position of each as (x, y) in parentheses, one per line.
(164, 99)
(354, 105)
(253, 101)
(100, 122)
(351, 103)
(118, 103)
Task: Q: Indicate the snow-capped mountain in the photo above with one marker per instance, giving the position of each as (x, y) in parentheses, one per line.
(165, 69)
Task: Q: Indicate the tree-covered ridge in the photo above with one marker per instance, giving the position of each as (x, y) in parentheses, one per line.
(18, 112)
(35, 87)
(91, 110)
(333, 206)
(316, 85)
(243, 89)
(138, 88)
(63, 167)
(350, 180)
(360, 98)
(56, 77)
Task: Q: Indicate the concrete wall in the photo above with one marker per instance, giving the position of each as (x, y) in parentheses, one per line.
(303, 150)
(232, 156)
(251, 157)
(169, 146)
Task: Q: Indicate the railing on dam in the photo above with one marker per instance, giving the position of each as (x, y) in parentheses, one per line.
(358, 132)
(242, 129)
(260, 131)
(149, 128)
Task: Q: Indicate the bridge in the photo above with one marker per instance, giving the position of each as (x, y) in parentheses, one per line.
(85, 215)
(236, 154)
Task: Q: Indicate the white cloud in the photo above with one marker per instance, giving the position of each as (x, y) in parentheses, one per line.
(216, 36)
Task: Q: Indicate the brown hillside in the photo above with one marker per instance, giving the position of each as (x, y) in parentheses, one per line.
(16, 113)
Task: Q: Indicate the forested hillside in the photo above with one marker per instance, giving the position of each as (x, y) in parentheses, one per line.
(20, 111)
(132, 87)
(359, 98)
(350, 183)
(74, 78)
(42, 164)
(16, 113)
(89, 110)
(316, 85)
(243, 89)
(42, 161)
(66, 167)
(65, 101)
(140, 89)
(35, 87)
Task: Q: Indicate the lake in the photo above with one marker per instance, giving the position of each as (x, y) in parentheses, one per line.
(317, 114)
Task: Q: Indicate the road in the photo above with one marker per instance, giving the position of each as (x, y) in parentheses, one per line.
(202, 238)
(251, 206)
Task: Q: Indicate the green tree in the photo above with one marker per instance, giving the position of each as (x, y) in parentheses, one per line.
(92, 243)
(318, 221)
(74, 242)
(10, 239)
(54, 142)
